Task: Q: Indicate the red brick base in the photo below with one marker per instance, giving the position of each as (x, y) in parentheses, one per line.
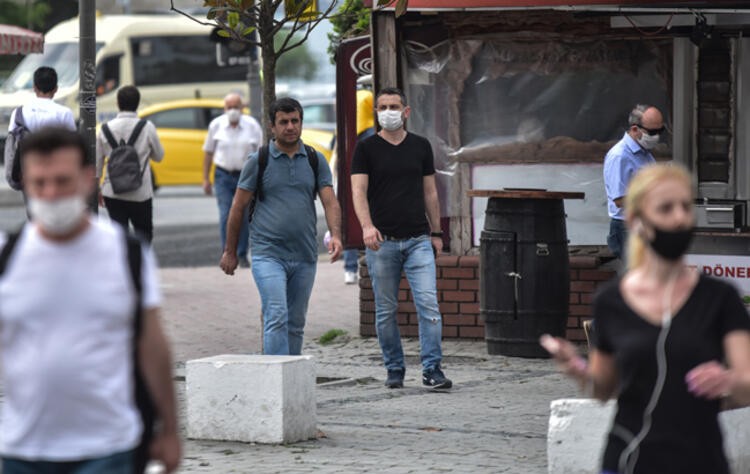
(458, 295)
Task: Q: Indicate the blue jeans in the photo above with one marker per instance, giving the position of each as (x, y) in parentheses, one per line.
(284, 288)
(415, 258)
(119, 463)
(224, 186)
(618, 238)
(350, 260)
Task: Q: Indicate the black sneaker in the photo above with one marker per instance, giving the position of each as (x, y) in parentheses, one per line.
(395, 378)
(436, 379)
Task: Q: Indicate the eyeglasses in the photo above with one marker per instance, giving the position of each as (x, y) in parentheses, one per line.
(652, 131)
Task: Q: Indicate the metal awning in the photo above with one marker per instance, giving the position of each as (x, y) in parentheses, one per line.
(718, 6)
(17, 40)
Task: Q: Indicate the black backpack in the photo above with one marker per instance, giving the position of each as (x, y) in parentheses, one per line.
(123, 165)
(312, 158)
(18, 133)
(142, 397)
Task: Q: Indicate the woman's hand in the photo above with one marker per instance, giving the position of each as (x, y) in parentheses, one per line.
(710, 380)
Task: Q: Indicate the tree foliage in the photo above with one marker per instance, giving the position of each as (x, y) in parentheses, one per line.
(352, 19)
(30, 15)
(298, 63)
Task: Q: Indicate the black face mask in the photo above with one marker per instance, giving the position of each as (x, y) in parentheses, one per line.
(670, 244)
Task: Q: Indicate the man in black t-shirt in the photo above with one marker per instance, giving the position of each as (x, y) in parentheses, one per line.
(396, 201)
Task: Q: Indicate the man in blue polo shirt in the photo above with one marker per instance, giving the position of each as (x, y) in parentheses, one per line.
(622, 162)
(283, 240)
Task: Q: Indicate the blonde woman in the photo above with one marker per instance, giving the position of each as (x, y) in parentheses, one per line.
(670, 343)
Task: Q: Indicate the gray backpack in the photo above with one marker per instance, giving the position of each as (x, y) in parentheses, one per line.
(123, 166)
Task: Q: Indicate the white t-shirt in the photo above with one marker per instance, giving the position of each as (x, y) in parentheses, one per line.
(42, 112)
(66, 329)
(232, 146)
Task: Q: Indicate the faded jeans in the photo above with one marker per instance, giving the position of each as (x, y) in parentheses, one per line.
(225, 184)
(350, 260)
(415, 257)
(285, 288)
(120, 463)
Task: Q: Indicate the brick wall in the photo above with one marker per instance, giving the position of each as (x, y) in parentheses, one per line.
(458, 295)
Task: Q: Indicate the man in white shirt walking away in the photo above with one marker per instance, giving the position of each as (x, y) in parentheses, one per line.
(134, 206)
(40, 112)
(232, 137)
(79, 311)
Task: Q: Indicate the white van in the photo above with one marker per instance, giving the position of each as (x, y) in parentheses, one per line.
(166, 56)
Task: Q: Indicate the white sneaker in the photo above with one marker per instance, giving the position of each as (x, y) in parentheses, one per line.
(350, 278)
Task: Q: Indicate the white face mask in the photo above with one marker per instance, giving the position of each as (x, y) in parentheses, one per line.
(648, 142)
(234, 115)
(59, 216)
(390, 119)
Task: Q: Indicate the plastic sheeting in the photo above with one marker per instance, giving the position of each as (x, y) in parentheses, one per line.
(526, 100)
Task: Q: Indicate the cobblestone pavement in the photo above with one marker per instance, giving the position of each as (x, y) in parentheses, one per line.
(494, 420)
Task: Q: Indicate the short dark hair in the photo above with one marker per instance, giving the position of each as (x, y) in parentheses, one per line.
(286, 105)
(128, 98)
(50, 139)
(392, 91)
(45, 79)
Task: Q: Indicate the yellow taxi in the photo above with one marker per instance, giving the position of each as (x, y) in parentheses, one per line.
(182, 126)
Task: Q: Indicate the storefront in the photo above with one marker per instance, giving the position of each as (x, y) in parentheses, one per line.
(532, 94)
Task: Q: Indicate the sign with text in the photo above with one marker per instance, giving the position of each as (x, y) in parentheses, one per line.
(732, 268)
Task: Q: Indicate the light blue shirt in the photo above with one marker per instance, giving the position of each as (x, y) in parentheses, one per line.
(284, 222)
(622, 162)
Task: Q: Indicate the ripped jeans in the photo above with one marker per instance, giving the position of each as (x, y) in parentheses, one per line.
(415, 257)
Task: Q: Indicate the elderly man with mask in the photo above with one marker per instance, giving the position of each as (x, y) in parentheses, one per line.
(231, 138)
(622, 162)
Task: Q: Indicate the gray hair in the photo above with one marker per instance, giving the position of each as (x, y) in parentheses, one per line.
(636, 115)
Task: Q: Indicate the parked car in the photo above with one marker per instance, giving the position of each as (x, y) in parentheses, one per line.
(182, 126)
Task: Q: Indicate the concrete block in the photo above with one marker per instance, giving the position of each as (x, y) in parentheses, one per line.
(251, 398)
(578, 428)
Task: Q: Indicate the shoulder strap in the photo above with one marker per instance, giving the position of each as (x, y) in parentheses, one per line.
(136, 131)
(108, 135)
(312, 158)
(262, 165)
(133, 246)
(7, 250)
(18, 119)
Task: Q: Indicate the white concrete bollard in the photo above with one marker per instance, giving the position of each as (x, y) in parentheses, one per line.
(251, 398)
(578, 428)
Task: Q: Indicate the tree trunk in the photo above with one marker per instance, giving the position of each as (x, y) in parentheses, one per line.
(269, 83)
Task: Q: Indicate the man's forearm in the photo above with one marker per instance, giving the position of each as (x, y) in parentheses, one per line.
(234, 224)
(333, 218)
(208, 159)
(156, 367)
(362, 208)
(432, 205)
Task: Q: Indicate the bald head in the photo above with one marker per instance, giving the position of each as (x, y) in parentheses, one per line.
(645, 119)
(232, 101)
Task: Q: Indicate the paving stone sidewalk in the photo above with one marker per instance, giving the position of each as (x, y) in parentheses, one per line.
(494, 420)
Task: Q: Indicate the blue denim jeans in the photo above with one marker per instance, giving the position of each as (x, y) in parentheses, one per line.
(224, 186)
(350, 260)
(284, 288)
(618, 238)
(415, 258)
(119, 463)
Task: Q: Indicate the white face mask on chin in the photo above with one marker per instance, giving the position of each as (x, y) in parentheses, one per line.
(390, 119)
(59, 216)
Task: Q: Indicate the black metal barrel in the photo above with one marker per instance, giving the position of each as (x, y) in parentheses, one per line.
(524, 274)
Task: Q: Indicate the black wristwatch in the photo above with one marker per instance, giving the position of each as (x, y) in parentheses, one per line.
(436, 234)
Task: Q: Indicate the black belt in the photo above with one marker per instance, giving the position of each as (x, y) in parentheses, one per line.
(399, 239)
(233, 173)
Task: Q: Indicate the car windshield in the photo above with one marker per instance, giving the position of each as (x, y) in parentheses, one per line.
(63, 57)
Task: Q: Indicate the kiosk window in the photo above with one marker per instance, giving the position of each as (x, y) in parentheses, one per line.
(161, 60)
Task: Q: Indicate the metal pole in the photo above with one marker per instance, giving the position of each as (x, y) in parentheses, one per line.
(87, 81)
(256, 88)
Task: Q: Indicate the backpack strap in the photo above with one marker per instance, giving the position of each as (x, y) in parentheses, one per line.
(136, 131)
(312, 158)
(7, 250)
(108, 135)
(262, 165)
